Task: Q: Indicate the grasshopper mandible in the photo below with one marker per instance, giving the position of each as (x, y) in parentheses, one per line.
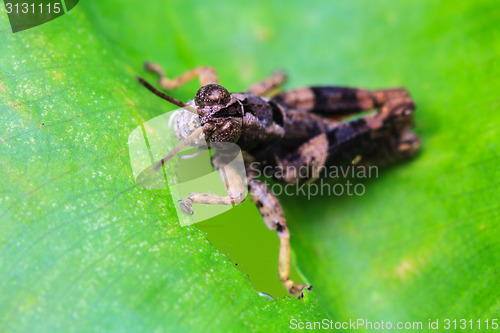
(304, 127)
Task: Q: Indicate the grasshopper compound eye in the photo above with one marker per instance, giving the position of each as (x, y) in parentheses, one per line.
(212, 94)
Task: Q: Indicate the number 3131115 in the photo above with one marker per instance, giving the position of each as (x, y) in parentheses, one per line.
(466, 324)
(32, 8)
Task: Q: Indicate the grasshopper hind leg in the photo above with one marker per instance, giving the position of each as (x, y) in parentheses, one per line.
(272, 212)
(337, 101)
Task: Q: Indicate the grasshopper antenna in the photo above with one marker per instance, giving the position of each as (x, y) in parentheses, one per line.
(165, 96)
(181, 145)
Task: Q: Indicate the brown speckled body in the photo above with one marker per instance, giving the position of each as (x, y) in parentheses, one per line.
(305, 127)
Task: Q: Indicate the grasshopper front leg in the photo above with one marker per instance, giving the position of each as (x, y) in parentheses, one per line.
(270, 209)
(234, 185)
(206, 75)
(267, 85)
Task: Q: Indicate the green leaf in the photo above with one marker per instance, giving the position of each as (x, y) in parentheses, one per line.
(83, 248)
(422, 242)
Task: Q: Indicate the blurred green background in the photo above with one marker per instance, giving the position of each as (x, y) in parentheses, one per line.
(83, 249)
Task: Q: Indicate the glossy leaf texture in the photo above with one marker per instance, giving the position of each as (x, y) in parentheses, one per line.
(82, 248)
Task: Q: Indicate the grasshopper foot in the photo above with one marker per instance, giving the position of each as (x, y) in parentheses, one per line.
(301, 295)
(296, 289)
(187, 206)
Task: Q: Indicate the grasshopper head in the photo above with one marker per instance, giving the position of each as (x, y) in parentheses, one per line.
(212, 94)
(221, 115)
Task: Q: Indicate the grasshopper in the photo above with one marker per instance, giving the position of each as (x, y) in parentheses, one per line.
(304, 127)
